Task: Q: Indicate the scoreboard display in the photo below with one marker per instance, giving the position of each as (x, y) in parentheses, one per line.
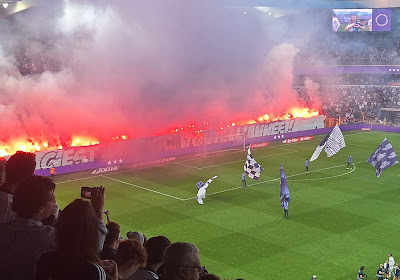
(356, 20)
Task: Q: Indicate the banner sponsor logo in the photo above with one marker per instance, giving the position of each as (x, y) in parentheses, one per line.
(105, 169)
(259, 145)
(297, 139)
(153, 162)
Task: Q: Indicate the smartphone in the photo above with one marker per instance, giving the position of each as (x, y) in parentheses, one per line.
(86, 192)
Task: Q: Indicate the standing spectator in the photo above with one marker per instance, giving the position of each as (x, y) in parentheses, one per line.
(244, 174)
(386, 269)
(201, 192)
(24, 239)
(361, 275)
(307, 164)
(181, 262)
(391, 264)
(3, 163)
(111, 243)
(130, 256)
(155, 248)
(285, 206)
(380, 273)
(136, 235)
(52, 172)
(78, 242)
(349, 160)
(19, 166)
(396, 272)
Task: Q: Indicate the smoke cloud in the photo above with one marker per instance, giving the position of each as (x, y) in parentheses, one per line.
(137, 68)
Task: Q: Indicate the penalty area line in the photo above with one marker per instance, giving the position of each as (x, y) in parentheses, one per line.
(140, 187)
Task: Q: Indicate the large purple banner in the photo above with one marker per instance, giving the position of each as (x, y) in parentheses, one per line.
(155, 150)
(144, 152)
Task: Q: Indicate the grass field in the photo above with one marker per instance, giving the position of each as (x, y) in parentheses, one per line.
(340, 219)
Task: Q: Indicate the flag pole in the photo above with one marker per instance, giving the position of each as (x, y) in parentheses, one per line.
(204, 138)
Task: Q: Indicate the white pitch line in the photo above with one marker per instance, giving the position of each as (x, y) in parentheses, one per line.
(299, 174)
(136, 186)
(335, 176)
(178, 163)
(214, 165)
(215, 154)
(277, 179)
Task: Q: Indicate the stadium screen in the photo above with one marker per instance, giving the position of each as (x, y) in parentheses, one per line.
(354, 20)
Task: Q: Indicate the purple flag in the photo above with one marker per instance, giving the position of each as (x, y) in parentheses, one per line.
(383, 157)
(285, 194)
(381, 19)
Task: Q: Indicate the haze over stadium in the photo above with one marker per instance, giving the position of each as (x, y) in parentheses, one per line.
(128, 68)
(197, 117)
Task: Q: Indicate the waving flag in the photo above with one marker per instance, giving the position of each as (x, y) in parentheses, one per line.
(251, 167)
(285, 194)
(202, 191)
(209, 182)
(332, 143)
(383, 157)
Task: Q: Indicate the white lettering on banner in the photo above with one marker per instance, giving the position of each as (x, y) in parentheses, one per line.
(65, 157)
(152, 162)
(105, 169)
(251, 131)
(259, 145)
(298, 139)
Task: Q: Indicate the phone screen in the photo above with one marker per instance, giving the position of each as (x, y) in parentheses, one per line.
(86, 192)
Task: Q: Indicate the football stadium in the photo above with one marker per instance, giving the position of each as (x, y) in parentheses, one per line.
(221, 139)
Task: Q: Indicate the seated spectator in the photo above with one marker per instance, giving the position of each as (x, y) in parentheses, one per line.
(155, 248)
(24, 239)
(136, 235)
(19, 166)
(78, 242)
(130, 256)
(181, 262)
(111, 243)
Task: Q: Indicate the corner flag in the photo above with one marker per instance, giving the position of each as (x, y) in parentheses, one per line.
(383, 157)
(332, 143)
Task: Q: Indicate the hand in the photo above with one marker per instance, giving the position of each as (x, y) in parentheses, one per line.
(97, 201)
(110, 267)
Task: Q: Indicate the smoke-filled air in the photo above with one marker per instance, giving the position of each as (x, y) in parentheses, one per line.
(127, 69)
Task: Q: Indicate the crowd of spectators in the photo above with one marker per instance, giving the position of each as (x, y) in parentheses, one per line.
(356, 98)
(38, 61)
(377, 50)
(76, 243)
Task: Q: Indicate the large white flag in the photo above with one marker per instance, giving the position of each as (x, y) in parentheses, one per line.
(332, 143)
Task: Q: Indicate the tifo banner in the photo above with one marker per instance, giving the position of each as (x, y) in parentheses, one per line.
(297, 139)
(148, 151)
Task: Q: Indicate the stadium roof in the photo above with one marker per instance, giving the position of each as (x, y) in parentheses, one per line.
(336, 4)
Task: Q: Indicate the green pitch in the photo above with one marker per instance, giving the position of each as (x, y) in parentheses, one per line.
(339, 219)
